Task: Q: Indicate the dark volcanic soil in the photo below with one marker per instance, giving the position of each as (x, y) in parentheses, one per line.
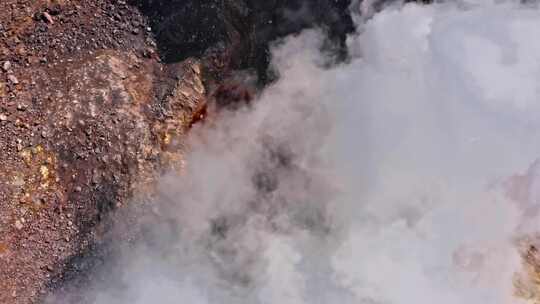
(95, 98)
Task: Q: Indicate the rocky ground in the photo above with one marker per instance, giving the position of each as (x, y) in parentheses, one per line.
(95, 98)
(84, 122)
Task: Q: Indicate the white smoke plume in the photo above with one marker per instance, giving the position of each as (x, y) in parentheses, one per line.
(386, 179)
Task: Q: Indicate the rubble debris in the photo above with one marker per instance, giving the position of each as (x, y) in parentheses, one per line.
(6, 66)
(47, 17)
(13, 79)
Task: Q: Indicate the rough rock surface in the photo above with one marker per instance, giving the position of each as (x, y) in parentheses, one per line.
(82, 127)
(95, 98)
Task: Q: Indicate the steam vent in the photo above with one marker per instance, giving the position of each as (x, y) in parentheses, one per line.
(269, 151)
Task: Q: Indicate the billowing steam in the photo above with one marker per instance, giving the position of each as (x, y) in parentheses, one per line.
(386, 179)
